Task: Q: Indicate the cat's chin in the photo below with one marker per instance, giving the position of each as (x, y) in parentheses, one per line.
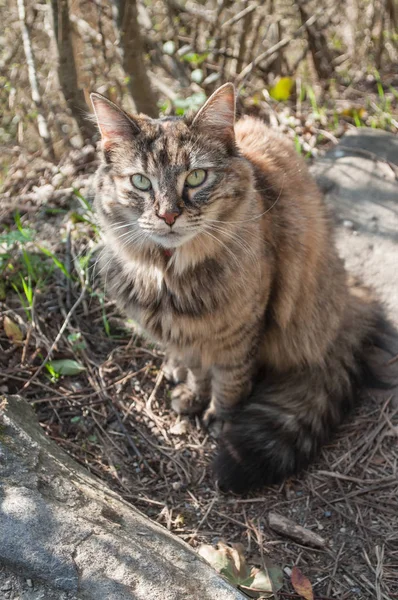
(171, 241)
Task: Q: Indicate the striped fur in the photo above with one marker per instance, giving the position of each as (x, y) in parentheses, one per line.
(245, 291)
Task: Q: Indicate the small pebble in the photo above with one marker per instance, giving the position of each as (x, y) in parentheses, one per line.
(7, 585)
(179, 428)
(29, 583)
(348, 224)
(343, 530)
(327, 513)
(57, 180)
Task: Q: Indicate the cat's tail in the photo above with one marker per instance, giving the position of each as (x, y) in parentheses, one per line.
(281, 427)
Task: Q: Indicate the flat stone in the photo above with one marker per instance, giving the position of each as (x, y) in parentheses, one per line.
(359, 180)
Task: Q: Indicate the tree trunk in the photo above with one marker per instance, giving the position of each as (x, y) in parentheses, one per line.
(132, 57)
(34, 86)
(322, 57)
(67, 72)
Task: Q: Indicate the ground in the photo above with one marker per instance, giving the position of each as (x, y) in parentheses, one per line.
(112, 412)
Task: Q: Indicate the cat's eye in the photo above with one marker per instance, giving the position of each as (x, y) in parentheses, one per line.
(141, 182)
(196, 178)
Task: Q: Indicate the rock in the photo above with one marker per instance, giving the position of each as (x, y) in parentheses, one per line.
(359, 179)
(26, 589)
(44, 193)
(65, 528)
(179, 428)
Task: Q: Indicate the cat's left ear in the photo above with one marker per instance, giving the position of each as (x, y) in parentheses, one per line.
(114, 124)
(217, 116)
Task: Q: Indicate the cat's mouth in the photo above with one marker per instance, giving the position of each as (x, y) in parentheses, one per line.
(171, 239)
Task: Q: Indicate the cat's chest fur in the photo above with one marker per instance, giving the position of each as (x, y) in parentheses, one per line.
(174, 308)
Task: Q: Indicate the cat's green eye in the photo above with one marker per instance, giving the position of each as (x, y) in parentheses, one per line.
(141, 182)
(196, 178)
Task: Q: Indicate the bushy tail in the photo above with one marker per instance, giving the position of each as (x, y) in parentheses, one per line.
(281, 427)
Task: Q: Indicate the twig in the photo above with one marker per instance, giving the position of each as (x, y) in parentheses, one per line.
(129, 438)
(203, 519)
(249, 68)
(240, 15)
(148, 404)
(33, 80)
(290, 529)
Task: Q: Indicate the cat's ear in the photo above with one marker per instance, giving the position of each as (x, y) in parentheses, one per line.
(217, 115)
(114, 124)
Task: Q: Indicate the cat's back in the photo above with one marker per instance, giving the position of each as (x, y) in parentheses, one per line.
(254, 136)
(274, 155)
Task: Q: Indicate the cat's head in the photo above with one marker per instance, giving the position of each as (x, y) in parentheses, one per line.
(167, 181)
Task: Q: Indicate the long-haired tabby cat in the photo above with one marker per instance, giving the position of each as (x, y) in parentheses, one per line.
(218, 244)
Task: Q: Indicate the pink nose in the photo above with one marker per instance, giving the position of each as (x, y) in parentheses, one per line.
(169, 217)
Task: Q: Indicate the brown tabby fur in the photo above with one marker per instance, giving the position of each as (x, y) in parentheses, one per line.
(249, 297)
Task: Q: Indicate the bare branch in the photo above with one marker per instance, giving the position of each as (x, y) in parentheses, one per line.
(34, 86)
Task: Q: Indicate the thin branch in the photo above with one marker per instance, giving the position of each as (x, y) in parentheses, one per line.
(242, 76)
(34, 86)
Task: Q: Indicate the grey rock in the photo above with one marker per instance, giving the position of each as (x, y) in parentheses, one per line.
(64, 528)
(26, 589)
(359, 180)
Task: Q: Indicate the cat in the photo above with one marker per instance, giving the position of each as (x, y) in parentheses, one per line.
(218, 244)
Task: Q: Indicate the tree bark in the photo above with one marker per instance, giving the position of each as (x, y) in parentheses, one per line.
(132, 49)
(67, 72)
(34, 85)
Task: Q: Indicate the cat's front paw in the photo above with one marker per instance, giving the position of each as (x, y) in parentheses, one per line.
(185, 402)
(174, 371)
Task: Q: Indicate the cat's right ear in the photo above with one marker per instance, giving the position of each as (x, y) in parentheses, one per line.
(114, 124)
(217, 115)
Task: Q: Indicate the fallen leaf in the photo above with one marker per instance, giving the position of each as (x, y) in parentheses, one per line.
(276, 575)
(301, 584)
(216, 558)
(66, 366)
(282, 89)
(13, 332)
(179, 428)
(230, 562)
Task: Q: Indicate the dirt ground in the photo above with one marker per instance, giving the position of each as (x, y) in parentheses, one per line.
(114, 417)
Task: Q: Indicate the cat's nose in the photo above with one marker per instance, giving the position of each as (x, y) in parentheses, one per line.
(169, 216)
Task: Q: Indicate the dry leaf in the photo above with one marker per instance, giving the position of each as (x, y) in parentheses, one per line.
(229, 560)
(13, 332)
(301, 584)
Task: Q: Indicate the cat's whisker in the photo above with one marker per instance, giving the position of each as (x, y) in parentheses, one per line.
(239, 241)
(232, 254)
(93, 267)
(127, 233)
(123, 226)
(257, 216)
(133, 239)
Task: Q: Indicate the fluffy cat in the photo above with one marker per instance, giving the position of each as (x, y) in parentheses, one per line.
(217, 242)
